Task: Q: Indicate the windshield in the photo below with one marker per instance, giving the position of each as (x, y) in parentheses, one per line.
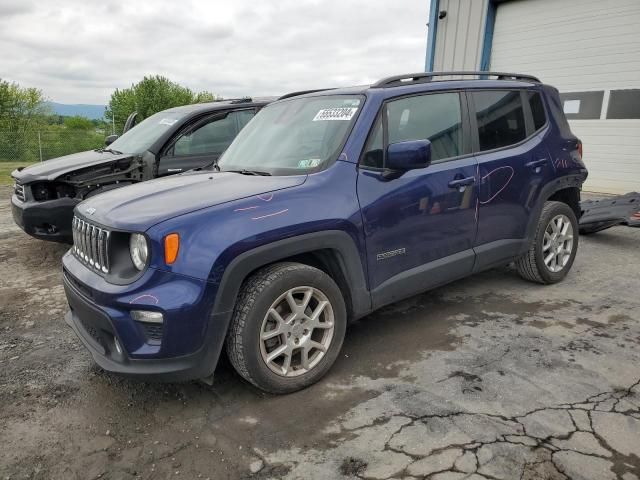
(292, 137)
(143, 135)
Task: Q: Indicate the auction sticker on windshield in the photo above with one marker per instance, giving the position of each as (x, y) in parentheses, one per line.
(309, 163)
(338, 113)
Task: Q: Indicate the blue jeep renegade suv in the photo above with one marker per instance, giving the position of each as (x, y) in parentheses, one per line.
(327, 206)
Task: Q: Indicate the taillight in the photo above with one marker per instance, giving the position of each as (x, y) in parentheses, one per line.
(580, 149)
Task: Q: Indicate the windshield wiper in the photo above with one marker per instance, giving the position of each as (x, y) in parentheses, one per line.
(213, 165)
(108, 150)
(250, 172)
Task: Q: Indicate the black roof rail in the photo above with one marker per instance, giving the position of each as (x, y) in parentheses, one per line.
(230, 101)
(302, 92)
(233, 101)
(397, 80)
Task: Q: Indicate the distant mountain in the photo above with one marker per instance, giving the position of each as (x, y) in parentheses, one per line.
(89, 111)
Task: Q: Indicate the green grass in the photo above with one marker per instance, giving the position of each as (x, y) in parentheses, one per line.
(6, 168)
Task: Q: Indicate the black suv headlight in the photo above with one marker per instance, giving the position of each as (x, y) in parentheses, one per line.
(139, 250)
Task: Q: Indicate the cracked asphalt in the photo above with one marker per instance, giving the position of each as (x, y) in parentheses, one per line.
(490, 377)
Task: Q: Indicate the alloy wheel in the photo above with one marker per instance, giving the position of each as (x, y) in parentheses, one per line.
(297, 331)
(557, 244)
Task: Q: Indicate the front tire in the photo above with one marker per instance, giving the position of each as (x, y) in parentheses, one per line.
(287, 328)
(553, 249)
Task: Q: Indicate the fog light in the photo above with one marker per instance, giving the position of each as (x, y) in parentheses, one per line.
(147, 316)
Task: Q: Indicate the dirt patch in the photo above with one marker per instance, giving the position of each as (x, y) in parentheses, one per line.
(353, 467)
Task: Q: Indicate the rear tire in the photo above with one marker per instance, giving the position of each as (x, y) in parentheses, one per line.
(287, 328)
(554, 246)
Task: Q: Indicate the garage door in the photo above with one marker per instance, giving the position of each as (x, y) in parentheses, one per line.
(590, 51)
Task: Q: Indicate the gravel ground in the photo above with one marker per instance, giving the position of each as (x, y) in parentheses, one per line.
(489, 377)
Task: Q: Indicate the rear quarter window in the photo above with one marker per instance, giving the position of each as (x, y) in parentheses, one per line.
(555, 110)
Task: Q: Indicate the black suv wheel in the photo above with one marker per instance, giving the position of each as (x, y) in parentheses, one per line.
(287, 328)
(554, 246)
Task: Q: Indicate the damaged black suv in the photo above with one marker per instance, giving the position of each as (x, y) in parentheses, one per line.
(172, 141)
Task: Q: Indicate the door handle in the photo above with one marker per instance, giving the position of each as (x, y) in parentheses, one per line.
(536, 163)
(462, 182)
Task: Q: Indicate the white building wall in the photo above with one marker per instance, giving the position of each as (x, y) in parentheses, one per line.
(459, 35)
(611, 153)
(581, 45)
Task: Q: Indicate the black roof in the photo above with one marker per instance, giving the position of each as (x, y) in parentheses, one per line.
(222, 105)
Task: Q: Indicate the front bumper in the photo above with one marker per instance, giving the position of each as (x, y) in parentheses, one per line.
(49, 220)
(99, 313)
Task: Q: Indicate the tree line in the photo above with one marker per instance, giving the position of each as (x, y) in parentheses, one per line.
(27, 122)
(151, 95)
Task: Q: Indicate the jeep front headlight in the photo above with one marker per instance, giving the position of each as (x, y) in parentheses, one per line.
(139, 250)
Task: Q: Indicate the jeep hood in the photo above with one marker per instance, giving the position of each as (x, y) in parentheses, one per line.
(54, 168)
(142, 205)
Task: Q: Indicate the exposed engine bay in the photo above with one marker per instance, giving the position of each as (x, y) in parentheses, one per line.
(90, 180)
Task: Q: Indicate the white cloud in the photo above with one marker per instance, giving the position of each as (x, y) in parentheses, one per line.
(79, 51)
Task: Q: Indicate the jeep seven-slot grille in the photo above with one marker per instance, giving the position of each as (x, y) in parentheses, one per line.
(91, 244)
(19, 191)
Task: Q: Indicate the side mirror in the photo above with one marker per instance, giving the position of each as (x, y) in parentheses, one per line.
(131, 122)
(409, 155)
(109, 140)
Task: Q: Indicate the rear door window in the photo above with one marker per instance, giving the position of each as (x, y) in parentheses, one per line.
(499, 118)
(537, 110)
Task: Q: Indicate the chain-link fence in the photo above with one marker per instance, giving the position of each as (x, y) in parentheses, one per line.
(33, 146)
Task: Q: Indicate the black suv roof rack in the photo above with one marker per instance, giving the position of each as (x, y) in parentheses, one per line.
(234, 101)
(302, 92)
(397, 80)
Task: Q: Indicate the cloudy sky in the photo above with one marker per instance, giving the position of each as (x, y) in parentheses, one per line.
(79, 51)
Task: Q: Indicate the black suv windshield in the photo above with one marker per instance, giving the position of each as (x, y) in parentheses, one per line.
(292, 137)
(143, 135)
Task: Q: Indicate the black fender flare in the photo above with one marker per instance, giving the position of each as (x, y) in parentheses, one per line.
(337, 240)
(247, 262)
(546, 192)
